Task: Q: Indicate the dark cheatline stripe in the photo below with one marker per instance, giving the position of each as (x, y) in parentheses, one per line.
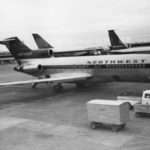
(102, 66)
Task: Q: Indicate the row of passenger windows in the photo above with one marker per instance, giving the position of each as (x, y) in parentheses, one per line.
(98, 66)
(126, 66)
(69, 67)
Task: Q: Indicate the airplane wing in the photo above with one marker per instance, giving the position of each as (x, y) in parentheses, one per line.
(60, 78)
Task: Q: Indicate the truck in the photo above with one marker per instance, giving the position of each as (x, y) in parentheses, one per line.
(107, 112)
(143, 107)
(131, 97)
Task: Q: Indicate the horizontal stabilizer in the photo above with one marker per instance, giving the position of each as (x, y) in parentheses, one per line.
(16, 47)
(8, 40)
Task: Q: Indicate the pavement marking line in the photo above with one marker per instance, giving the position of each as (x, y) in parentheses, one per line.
(8, 122)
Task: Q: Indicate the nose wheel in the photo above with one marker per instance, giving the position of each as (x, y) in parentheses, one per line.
(58, 88)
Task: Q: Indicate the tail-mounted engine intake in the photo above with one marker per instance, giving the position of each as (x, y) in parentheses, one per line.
(42, 53)
(29, 68)
(50, 52)
(46, 53)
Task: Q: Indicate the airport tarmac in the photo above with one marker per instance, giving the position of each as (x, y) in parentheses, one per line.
(32, 119)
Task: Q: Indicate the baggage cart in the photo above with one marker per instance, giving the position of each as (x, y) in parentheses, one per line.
(108, 112)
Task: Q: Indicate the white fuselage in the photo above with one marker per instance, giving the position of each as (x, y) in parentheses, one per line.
(125, 67)
(134, 49)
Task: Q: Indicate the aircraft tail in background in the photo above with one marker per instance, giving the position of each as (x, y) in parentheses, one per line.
(115, 41)
(41, 43)
(16, 47)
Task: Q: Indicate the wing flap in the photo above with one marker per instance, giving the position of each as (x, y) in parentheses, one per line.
(56, 78)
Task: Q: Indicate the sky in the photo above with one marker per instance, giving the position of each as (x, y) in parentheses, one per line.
(74, 24)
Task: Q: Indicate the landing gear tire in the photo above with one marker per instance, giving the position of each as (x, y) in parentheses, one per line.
(94, 125)
(123, 126)
(58, 88)
(115, 128)
(137, 115)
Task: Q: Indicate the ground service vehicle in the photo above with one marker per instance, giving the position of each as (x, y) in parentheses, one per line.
(131, 97)
(143, 108)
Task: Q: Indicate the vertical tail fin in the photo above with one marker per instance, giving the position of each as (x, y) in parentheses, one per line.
(115, 40)
(17, 48)
(41, 43)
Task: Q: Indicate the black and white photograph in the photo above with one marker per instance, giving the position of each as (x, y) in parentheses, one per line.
(74, 75)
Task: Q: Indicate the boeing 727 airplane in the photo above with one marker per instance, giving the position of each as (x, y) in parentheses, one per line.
(79, 70)
(118, 47)
(43, 44)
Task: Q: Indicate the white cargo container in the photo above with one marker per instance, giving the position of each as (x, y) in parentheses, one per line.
(114, 113)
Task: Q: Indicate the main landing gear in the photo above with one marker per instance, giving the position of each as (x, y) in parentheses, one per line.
(34, 85)
(58, 88)
(80, 85)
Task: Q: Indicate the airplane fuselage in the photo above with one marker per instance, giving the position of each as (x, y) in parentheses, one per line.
(133, 50)
(127, 67)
